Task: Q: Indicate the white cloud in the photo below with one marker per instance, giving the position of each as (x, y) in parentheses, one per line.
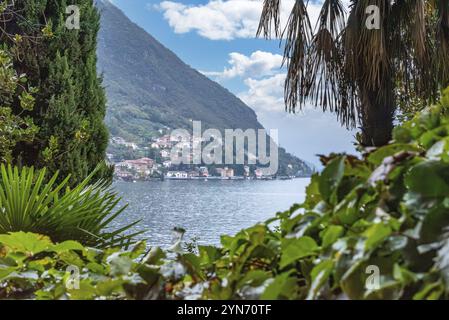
(216, 20)
(265, 95)
(225, 19)
(258, 64)
(263, 76)
(231, 19)
(307, 133)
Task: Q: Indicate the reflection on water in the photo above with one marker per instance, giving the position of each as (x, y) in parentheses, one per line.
(205, 209)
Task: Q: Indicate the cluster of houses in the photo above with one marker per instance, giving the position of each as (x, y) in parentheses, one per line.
(136, 169)
(164, 145)
(201, 172)
(122, 142)
(146, 168)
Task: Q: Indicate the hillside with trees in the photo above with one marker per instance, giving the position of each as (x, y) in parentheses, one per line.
(150, 89)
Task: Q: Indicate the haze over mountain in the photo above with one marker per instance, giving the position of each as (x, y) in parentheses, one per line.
(149, 87)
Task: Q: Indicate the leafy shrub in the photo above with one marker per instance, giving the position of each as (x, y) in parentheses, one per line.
(13, 128)
(385, 213)
(28, 203)
(32, 266)
(370, 228)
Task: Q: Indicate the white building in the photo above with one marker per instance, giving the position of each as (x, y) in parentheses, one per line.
(177, 175)
(143, 166)
(167, 164)
(204, 172)
(225, 172)
(165, 154)
(123, 142)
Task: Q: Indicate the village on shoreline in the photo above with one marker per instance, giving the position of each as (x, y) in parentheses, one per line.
(160, 167)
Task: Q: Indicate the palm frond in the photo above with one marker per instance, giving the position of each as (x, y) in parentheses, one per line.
(412, 49)
(325, 63)
(297, 35)
(419, 31)
(442, 38)
(368, 59)
(270, 18)
(349, 68)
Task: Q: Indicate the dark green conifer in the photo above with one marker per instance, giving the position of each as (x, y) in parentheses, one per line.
(70, 103)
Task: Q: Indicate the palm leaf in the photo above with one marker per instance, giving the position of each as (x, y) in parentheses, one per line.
(84, 213)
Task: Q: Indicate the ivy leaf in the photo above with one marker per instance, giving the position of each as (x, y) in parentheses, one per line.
(209, 254)
(254, 278)
(429, 178)
(378, 156)
(331, 235)
(282, 287)
(67, 246)
(120, 265)
(86, 291)
(331, 178)
(154, 256)
(26, 242)
(375, 235)
(193, 265)
(5, 272)
(109, 287)
(319, 274)
(138, 249)
(295, 249)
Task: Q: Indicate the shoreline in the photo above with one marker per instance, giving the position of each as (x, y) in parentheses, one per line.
(209, 179)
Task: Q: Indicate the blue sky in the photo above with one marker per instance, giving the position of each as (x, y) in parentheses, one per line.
(218, 38)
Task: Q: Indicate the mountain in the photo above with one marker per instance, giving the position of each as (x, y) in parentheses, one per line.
(149, 88)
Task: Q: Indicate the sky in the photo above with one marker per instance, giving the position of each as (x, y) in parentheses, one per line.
(217, 37)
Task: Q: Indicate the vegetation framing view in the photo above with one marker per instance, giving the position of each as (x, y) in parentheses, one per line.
(91, 104)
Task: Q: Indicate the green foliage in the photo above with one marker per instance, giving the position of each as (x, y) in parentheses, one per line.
(387, 212)
(13, 128)
(69, 107)
(84, 213)
(32, 266)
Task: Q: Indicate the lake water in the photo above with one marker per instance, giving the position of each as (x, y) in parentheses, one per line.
(205, 209)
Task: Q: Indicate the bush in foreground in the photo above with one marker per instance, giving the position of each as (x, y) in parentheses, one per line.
(32, 266)
(84, 213)
(370, 228)
(386, 213)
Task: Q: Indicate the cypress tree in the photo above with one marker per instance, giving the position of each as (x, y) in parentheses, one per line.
(70, 102)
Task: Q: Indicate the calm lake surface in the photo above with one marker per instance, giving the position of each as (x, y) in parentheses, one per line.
(206, 209)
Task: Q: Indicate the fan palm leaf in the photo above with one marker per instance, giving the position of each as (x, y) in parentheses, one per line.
(84, 213)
